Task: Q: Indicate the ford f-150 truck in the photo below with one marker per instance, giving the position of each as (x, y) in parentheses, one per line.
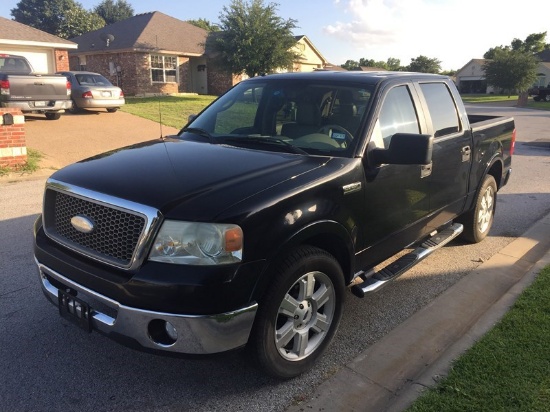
(246, 228)
(30, 92)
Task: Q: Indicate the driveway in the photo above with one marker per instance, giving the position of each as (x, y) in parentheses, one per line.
(76, 137)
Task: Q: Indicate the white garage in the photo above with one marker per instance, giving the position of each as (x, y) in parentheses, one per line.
(46, 52)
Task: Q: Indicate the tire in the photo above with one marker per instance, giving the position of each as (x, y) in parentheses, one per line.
(74, 109)
(536, 98)
(53, 116)
(478, 222)
(112, 109)
(299, 314)
(547, 98)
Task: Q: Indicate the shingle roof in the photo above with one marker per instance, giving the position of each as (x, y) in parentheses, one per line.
(154, 31)
(13, 32)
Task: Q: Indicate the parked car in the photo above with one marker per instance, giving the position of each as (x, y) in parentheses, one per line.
(93, 91)
(246, 227)
(22, 88)
(541, 93)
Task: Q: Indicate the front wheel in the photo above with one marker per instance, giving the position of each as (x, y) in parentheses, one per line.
(300, 313)
(478, 221)
(547, 98)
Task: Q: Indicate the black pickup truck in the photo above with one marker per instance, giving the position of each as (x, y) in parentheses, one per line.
(21, 88)
(246, 228)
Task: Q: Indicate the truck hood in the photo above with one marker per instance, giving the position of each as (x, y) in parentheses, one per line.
(185, 179)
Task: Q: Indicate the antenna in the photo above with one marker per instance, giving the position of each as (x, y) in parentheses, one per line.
(160, 120)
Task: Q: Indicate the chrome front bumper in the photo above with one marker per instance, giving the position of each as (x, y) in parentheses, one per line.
(196, 334)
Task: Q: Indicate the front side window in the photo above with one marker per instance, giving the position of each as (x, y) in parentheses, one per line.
(397, 115)
(442, 108)
(164, 69)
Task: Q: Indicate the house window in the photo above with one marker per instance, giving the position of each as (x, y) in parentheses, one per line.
(164, 69)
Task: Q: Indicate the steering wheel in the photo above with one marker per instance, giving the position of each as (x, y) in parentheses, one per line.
(329, 131)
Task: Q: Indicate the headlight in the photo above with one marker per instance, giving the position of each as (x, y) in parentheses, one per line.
(189, 243)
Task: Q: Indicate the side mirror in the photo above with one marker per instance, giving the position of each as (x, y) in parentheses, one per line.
(406, 149)
(191, 118)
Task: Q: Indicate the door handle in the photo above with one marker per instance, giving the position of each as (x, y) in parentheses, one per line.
(466, 153)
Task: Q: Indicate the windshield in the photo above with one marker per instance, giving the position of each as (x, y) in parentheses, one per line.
(297, 116)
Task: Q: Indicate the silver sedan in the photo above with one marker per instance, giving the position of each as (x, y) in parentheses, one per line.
(93, 91)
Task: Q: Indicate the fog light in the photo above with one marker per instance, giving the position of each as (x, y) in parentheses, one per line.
(162, 333)
(171, 331)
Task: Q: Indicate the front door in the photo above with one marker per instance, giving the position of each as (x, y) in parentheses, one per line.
(396, 195)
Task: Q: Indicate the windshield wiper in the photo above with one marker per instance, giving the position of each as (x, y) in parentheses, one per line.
(266, 140)
(200, 132)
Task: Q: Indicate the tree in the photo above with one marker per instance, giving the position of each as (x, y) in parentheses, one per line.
(112, 11)
(511, 70)
(514, 67)
(63, 18)
(424, 64)
(253, 39)
(350, 65)
(204, 24)
(78, 21)
(393, 64)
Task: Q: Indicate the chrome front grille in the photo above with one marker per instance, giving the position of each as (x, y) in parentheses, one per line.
(119, 233)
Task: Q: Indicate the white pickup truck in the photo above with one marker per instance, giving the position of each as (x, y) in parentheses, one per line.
(30, 92)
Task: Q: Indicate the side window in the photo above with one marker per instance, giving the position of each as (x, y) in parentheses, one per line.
(397, 115)
(442, 108)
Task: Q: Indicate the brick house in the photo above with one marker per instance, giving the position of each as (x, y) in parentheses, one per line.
(153, 53)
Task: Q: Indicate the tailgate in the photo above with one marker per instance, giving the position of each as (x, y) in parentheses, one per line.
(36, 87)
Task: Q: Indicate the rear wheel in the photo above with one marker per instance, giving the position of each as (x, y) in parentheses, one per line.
(52, 116)
(300, 313)
(478, 221)
(74, 108)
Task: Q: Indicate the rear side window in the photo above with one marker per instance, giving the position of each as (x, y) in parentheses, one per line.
(442, 108)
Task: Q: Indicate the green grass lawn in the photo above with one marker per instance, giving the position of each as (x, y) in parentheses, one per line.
(508, 369)
(174, 110)
(492, 98)
(487, 98)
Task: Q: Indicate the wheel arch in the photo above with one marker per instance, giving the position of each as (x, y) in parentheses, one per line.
(329, 236)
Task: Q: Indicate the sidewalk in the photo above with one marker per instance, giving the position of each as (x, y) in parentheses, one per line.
(393, 372)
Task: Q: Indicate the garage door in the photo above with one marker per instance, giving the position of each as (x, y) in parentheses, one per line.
(41, 60)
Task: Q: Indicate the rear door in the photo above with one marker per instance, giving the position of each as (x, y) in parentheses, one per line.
(451, 159)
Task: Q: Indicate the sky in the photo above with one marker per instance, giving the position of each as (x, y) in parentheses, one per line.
(452, 31)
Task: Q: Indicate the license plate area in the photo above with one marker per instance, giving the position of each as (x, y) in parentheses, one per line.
(106, 94)
(40, 104)
(75, 310)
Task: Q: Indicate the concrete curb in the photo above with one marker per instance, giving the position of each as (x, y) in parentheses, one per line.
(391, 374)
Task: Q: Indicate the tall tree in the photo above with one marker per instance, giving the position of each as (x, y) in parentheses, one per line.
(78, 21)
(63, 18)
(511, 70)
(113, 11)
(253, 38)
(424, 64)
(204, 24)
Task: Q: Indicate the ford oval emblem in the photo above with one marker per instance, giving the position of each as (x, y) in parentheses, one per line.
(82, 223)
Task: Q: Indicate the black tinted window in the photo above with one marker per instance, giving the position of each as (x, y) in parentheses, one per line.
(442, 108)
